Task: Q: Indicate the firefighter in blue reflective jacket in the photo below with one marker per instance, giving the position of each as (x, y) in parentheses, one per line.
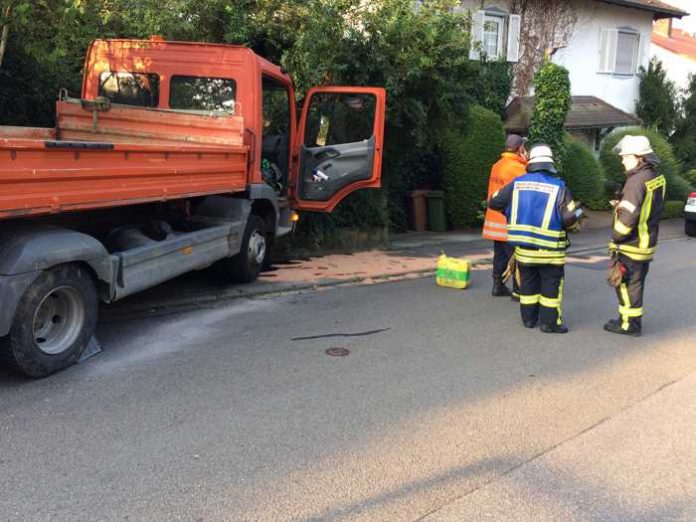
(539, 210)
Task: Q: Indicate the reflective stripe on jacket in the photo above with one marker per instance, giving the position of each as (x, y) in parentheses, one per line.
(505, 170)
(637, 215)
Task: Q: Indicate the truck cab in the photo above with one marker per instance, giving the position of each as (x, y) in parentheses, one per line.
(333, 149)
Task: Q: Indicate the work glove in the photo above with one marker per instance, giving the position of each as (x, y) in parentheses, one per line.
(617, 271)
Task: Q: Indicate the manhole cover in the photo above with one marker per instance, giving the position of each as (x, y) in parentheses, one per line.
(337, 352)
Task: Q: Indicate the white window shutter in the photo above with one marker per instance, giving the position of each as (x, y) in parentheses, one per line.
(476, 34)
(513, 43)
(608, 40)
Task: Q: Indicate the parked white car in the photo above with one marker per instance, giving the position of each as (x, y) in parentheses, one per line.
(690, 215)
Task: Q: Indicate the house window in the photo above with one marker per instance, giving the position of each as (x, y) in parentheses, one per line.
(495, 35)
(626, 52)
(619, 51)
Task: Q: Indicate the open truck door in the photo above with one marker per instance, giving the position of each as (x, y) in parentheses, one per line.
(339, 145)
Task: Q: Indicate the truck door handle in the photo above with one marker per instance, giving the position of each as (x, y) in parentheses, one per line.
(326, 154)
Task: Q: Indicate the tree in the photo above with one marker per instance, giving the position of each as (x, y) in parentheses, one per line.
(551, 105)
(545, 28)
(684, 137)
(657, 98)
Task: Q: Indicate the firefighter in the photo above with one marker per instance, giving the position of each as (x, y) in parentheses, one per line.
(637, 215)
(539, 210)
(511, 165)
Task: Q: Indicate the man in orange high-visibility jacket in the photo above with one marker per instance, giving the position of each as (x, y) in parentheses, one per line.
(512, 164)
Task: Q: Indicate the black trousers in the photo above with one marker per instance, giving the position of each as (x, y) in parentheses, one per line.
(541, 293)
(502, 252)
(630, 292)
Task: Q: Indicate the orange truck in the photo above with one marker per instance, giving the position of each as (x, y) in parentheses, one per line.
(176, 157)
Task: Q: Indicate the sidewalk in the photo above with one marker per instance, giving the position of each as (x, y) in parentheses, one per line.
(407, 256)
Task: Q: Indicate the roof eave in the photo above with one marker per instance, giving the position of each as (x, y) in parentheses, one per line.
(658, 12)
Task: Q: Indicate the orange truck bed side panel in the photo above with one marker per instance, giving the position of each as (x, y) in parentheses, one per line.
(125, 124)
(39, 175)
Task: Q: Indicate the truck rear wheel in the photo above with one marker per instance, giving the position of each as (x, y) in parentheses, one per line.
(54, 322)
(247, 264)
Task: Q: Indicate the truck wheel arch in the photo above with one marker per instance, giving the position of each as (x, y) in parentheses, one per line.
(26, 252)
(36, 248)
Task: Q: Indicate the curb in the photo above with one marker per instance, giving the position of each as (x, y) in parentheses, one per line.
(202, 301)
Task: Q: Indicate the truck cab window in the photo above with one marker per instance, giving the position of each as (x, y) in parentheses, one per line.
(276, 134)
(340, 118)
(201, 94)
(140, 89)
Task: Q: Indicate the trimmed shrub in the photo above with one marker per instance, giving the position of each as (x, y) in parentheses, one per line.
(466, 165)
(551, 106)
(677, 187)
(583, 174)
(673, 209)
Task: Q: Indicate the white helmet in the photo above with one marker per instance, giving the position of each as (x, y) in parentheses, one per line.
(633, 145)
(540, 154)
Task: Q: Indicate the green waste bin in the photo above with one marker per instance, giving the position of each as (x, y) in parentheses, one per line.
(437, 220)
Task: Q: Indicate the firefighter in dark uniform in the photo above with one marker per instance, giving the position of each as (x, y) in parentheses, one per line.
(539, 210)
(635, 228)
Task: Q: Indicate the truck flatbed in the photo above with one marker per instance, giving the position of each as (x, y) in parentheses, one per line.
(105, 155)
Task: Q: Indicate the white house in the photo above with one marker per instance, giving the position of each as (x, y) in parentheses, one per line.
(608, 42)
(676, 49)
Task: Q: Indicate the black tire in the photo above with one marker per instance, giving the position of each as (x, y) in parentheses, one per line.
(690, 228)
(247, 264)
(53, 323)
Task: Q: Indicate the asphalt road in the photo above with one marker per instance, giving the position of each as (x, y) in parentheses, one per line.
(445, 408)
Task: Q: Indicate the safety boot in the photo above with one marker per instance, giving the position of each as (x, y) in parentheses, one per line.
(614, 326)
(499, 288)
(554, 328)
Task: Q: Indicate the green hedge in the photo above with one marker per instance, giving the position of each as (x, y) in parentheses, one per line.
(466, 165)
(583, 174)
(677, 187)
(673, 209)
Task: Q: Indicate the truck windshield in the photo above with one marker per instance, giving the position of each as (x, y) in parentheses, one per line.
(194, 93)
(129, 88)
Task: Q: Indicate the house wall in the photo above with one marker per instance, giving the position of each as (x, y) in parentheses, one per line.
(678, 67)
(581, 56)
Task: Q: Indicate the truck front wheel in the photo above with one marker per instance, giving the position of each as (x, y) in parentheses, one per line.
(54, 322)
(246, 265)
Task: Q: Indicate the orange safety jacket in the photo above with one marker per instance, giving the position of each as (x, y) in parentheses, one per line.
(507, 168)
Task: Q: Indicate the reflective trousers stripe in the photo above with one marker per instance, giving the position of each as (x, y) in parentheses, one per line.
(530, 299)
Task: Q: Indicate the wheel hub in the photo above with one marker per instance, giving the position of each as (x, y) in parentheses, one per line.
(257, 248)
(58, 320)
